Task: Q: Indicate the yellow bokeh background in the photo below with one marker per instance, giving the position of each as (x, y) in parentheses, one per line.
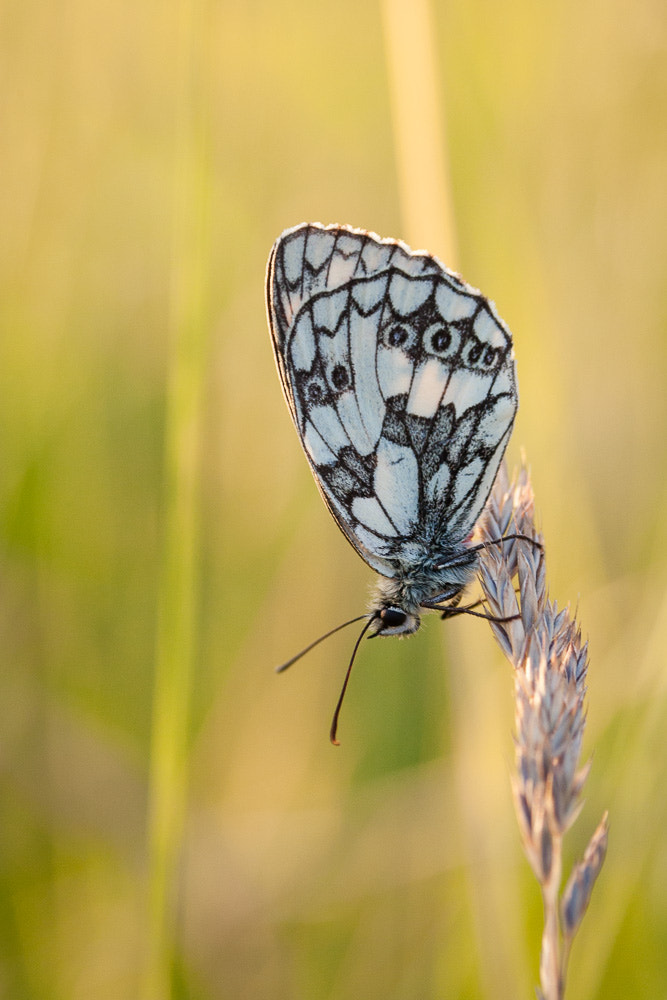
(164, 546)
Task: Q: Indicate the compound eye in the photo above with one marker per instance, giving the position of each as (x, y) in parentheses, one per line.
(393, 617)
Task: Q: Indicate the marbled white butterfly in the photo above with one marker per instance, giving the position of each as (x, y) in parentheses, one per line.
(401, 382)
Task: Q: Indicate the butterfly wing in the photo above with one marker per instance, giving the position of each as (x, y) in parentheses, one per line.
(400, 379)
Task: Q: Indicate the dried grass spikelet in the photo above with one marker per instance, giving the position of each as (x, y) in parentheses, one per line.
(550, 663)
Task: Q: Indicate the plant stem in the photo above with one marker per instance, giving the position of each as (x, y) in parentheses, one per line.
(178, 598)
(550, 957)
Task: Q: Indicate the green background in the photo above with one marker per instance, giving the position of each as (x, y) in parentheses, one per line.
(169, 543)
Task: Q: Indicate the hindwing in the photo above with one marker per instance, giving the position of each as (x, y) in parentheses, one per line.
(401, 382)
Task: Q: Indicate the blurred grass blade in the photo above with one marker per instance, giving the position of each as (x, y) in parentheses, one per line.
(419, 131)
(177, 619)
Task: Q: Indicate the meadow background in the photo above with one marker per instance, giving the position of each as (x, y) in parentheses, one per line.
(173, 820)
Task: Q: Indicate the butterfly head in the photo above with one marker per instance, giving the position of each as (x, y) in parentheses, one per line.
(392, 620)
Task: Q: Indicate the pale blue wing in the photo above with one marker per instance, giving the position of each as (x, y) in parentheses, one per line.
(401, 382)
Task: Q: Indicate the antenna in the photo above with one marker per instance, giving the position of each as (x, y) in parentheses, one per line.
(334, 721)
(326, 635)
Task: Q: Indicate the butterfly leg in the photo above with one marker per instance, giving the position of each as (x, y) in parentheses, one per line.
(517, 536)
(452, 609)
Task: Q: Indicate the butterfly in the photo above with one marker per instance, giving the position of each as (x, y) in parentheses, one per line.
(401, 382)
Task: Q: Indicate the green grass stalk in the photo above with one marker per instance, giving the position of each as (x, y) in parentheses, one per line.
(178, 599)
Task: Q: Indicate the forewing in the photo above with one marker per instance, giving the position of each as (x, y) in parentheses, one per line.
(400, 380)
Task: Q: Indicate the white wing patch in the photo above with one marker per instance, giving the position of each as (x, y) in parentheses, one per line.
(318, 248)
(327, 423)
(452, 305)
(368, 295)
(376, 256)
(428, 386)
(292, 261)
(302, 346)
(371, 400)
(487, 329)
(317, 449)
(395, 370)
(350, 415)
(408, 294)
(396, 484)
(368, 512)
(466, 389)
(328, 311)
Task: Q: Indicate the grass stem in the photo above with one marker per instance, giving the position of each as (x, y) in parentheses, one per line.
(550, 664)
(178, 598)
